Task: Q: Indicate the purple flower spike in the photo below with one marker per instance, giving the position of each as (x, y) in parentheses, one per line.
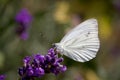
(2, 77)
(23, 19)
(38, 65)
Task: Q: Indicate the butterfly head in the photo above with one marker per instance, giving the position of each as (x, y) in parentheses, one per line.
(59, 48)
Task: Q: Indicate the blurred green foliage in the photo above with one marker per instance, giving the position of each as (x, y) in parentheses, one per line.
(52, 19)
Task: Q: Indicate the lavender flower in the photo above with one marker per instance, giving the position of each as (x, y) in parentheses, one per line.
(23, 18)
(38, 65)
(2, 77)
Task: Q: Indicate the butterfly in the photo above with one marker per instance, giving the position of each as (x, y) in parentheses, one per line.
(81, 43)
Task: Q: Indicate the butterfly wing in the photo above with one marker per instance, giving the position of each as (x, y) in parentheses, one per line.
(82, 43)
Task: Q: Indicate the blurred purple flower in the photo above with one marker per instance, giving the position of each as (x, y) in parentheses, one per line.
(38, 65)
(2, 77)
(23, 18)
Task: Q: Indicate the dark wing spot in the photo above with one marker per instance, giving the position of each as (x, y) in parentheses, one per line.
(88, 33)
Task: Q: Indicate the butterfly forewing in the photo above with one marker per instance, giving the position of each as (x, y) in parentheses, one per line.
(82, 43)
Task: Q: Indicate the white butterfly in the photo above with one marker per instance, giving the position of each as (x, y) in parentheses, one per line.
(82, 43)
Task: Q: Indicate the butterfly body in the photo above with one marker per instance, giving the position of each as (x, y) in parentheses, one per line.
(81, 43)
